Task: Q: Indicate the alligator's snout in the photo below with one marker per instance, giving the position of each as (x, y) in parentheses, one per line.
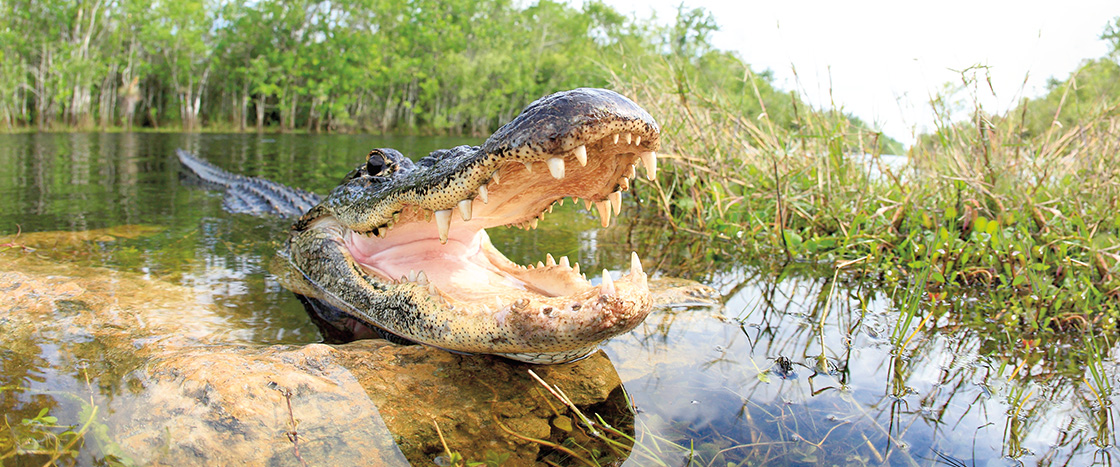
(402, 246)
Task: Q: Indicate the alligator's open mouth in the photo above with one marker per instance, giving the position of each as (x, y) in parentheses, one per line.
(448, 252)
(415, 233)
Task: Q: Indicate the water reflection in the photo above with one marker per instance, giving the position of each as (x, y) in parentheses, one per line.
(799, 366)
(800, 369)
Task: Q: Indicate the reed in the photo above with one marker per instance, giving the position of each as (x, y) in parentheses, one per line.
(1032, 221)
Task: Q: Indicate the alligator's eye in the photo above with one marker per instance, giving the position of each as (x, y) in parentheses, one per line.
(377, 163)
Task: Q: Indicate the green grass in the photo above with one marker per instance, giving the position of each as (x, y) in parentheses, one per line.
(1032, 222)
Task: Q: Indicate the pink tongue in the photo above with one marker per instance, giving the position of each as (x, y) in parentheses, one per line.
(457, 265)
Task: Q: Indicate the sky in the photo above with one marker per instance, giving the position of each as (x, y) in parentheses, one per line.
(883, 60)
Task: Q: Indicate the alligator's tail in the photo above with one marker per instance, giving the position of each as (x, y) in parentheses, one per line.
(249, 195)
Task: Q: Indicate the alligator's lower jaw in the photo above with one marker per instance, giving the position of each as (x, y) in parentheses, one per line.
(468, 275)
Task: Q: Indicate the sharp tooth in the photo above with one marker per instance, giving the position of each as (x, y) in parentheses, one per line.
(483, 194)
(587, 204)
(433, 290)
(649, 160)
(626, 137)
(499, 302)
(427, 215)
(564, 262)
(607, 287)
(422, 278)
(604, 209)
(549, 260)
(412, 275)
(575, 268)
(556, 167)
(540, 264)
(631, 172)
(560, 202)
(533, 223)
(624, 183)
(575, 200)
(616, 138)
(465, 209)
(549, 211)
(443, 222)
(635, 264)
(495, 178)
(396, 217)
(637, 141)
(616, 201)
(581, 155)
(528, 165)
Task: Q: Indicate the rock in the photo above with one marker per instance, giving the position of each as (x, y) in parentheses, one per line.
(178, 384)
(251, 406)
(472, 397)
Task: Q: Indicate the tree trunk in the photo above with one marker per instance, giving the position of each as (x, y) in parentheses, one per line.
(292, 112)
(260, 113)
(107, 99)
(42, 102)
(390, 109)
(311, 115)
(129, 99)
(241, 121)
(319, 122)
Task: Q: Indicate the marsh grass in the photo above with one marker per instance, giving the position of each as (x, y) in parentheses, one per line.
(1031, 221)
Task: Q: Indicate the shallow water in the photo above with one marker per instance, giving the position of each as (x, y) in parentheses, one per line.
(798, 367)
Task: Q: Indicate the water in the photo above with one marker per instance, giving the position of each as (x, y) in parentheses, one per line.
(798, 367)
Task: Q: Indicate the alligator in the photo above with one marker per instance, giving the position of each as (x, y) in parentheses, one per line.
(366, 260)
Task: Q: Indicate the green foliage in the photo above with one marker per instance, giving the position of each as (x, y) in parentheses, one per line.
(1093, 90)
(461, 67)
(1090, 93)
(1111, 35)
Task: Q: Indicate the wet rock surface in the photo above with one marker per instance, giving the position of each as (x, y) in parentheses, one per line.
(474, 399)
(177, 384)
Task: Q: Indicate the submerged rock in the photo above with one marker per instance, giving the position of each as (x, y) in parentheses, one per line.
(176, 383)
(229, 404)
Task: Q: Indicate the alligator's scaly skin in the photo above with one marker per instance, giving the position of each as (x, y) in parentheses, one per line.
(250, 195)
(357, 253)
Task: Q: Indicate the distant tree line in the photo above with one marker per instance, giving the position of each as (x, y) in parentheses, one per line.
(1090, 95)
(411, 66)
(454, 66)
